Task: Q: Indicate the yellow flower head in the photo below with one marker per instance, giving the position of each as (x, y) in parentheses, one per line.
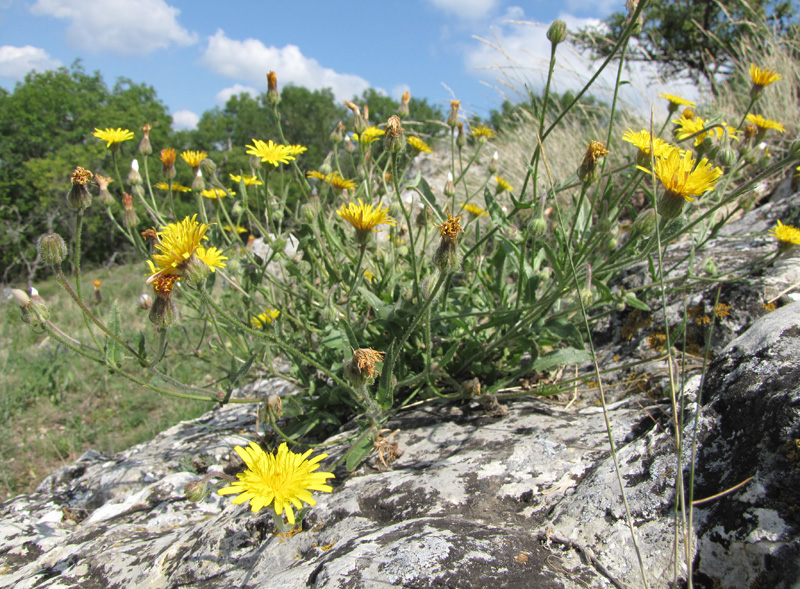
(193, 158)
(418, 144)
(641, 139)
(482, 131)
(764, 124)
(681, 178)
(176, 187)
(474, 210)
(248, 180)
(676, 101)
(238, 228)
(763, 78)
(688, 127)
(211, 257)
(113, 137)
(296, 149)
(787, 236)
(215, 193)
(502, 185)
(450, 229)
(271, 152)
(263, 319)
(176, 242)
(96, 283)
(369, 135)
(365, 217)
(168, 157)
(334, 179)
(284, 479)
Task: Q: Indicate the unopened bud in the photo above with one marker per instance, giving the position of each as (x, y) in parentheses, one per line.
(145, 301)
(452, 118)
(144, 145)
(208, 166)
(273, 96)
(129, 218)
(104, 197)
(275, 405)
(196, 491)
(337, 136)
(726, 156)
(348, 144)
(21, 297)
(461, 139)
(52, 249)
(134, 177)
(394, 139)
(449, 187)
(557, 32)
(198, 184)
(537, 227)
(195, 271)
(645, 222)
(494, 163)
(402, 110)
(78, 196)
(710, 266)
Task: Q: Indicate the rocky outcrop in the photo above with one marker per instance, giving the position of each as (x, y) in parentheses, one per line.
(524, 498)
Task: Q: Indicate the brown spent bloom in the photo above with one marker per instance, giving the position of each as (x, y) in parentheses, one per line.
(452, 119)
(450, 229)
(393, 137)
(150, 234)
(588, 171)
(272, 82)
(81, 176)
(365, 360)
(352, 106)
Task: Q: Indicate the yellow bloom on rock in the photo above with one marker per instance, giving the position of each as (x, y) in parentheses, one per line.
(283, 479)
(271, 152)
(211, 257)
(787, 236)
(248, 180)
(365, 217)
(263, 319)
(764, 77)
(194, 158)
(113, 137)
(418, 144)
(176, 242)
(765, 124)
(683, 180)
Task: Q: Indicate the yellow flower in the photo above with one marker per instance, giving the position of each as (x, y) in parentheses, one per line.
(176, 187)
(315, 174)
(369, 276)
(176, 242)
(683, 180)
(334, 179)
(763, 78)
(239, 228)
(215, 193)
(365, 218)
(271, 152)
(641, 139)
(369, 135)
(474, 210)
(502, 185)
(193, 158)
(483, 131)
(263, 319)
(787, 236)
(296, 149)
(283, 479)
(764, 124)
(96, 283)
(168, 157)
(248, 180)
(676, 101)
(211, 257)
(418, 144)
(113, 137)
(688, 127)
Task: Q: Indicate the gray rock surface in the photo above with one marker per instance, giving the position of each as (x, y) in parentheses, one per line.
(529, 498)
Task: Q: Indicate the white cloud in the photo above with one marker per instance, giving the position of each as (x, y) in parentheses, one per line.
(250, 60)
(519, 54)
(124, 27)
(224, 94)
(466, 9)
(184, 119)
(15, 62)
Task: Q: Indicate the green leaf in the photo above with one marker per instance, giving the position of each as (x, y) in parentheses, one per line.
(430, 199)
(565, 331)
(348, 331)
(385, 395)
(495, 212)
(382, 310)
(562, 357)
(631, 299)
(360, 450)
(236, 376)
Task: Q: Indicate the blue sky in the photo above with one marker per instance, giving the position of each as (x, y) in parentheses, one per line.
(198, 53)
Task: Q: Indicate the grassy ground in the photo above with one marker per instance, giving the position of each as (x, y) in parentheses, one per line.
(55, 405)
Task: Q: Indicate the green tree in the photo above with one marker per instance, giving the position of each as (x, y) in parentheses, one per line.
(694, 39)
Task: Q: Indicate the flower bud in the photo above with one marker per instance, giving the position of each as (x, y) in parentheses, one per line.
(337, 136)
(163, 313)
(394, 139)
(273, 96)
(196, 491)
(348, 144)
(104, 197)
(168, 162)
(198, 184)
(51, 248)
(21, 297)
(138, 190)
(208, 166)
(144, 145)
(307, 214)
(537, 227)
(461, 139)
(129, 219)
(557, 32)
(452, 118)
(494, 163)
(134, 177)
(589, 171)
(645, 222)
(78, 196)
(449, 187)
(402, 110)
(726, 156)
(710, 266)
(145, 301)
